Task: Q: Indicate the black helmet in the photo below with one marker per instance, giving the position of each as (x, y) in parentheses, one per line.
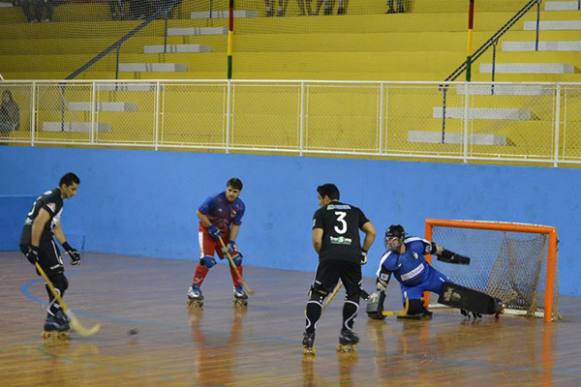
(395, 231)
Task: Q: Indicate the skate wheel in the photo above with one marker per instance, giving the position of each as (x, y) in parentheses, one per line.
(55, 335)
(345, 348)
(195, 304)
(309, 351)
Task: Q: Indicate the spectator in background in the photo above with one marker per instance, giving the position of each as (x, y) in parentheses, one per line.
(269, 5)
(28, 9)
(329, 4)
(391, 9)
(138, 9)
(9, 114)
(117, 9)
(43, 10)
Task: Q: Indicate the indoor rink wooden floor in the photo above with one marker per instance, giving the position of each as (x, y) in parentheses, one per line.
(224, 345)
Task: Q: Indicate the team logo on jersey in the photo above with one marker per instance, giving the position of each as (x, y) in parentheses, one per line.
(340, 240)
(416, 256)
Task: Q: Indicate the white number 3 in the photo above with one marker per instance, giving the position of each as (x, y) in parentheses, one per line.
(342, 223)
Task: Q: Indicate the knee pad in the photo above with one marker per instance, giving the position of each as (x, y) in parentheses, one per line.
(237, 259)
(317, 293)
(208, 261)
(60, 282)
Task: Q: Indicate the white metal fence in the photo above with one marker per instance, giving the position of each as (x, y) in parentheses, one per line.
(498, 122)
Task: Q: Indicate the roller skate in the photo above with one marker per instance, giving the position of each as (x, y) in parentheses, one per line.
(347, 341)
(56, 326)
(240, 296)
(309, 344)
(195, 297)
(425, 315)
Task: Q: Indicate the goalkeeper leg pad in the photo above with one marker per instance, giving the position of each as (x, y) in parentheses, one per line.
(375, 305)
(461, 297)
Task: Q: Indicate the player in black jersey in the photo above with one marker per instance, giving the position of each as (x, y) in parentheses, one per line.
(336, 239)
(37, 244)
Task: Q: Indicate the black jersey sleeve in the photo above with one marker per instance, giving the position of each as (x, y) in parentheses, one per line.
(318, 219)
(362, 218)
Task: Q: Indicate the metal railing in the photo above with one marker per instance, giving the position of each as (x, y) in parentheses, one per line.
(531, 123)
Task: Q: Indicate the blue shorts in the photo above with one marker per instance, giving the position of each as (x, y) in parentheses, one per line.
(433, 283)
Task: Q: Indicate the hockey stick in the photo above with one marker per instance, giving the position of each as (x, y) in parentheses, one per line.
(75, 323)
(333, 294)
(247, 288)
(400, 313)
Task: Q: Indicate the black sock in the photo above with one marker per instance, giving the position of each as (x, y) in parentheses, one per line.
(349, 313)
(314, 309)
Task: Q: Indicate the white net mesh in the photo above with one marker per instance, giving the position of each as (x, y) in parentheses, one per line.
(510, 265)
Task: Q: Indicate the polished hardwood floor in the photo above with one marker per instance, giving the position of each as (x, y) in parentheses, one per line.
(224, 345)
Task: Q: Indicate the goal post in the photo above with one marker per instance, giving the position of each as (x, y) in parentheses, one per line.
(516, 262)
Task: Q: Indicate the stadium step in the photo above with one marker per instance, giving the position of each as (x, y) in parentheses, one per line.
(222, 14)
(103, 106)
(527, 90)
(562, 6)
(74, 126)
(153, 67)
(566, 45)
(435, 137)
(189, 31)
(529, 68)
(126, 86)
(554, 25)
(175, 48)
(484, 113)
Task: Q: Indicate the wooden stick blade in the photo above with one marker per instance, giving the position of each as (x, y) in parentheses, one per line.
(80, 328)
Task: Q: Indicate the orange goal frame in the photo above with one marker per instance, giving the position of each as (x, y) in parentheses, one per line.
(513, 227)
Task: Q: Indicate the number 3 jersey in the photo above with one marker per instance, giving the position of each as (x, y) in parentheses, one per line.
(52, 202)
(340, 223)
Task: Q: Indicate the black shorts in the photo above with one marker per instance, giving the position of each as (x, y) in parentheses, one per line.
(330, 271)
(49, 257)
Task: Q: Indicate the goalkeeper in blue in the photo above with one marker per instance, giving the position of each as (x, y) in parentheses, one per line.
(405, 260)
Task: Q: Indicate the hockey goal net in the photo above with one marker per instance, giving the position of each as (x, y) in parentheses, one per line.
(515, 262)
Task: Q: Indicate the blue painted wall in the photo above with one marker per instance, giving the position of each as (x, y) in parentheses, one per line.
(144, 202)
(13, 210)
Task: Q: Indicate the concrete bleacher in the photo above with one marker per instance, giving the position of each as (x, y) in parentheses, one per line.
(424, 44)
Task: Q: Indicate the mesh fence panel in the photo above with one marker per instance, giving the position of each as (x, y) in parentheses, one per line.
(57, 119)
(342, 117)
(193, 114)
(125, 113)
(266, 115)
(15, 119)
(511, 120)
(509, 265)
(414, 123)
(571, 122)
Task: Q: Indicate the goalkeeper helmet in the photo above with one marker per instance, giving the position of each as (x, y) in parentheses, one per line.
(394, 236)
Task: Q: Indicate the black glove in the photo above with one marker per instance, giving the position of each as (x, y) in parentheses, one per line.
(32, 254)
(73, 253)
(363, 294)
(363, 257)
(462, 259)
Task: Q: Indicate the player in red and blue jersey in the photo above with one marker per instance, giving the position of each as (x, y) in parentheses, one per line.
(220, 216)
